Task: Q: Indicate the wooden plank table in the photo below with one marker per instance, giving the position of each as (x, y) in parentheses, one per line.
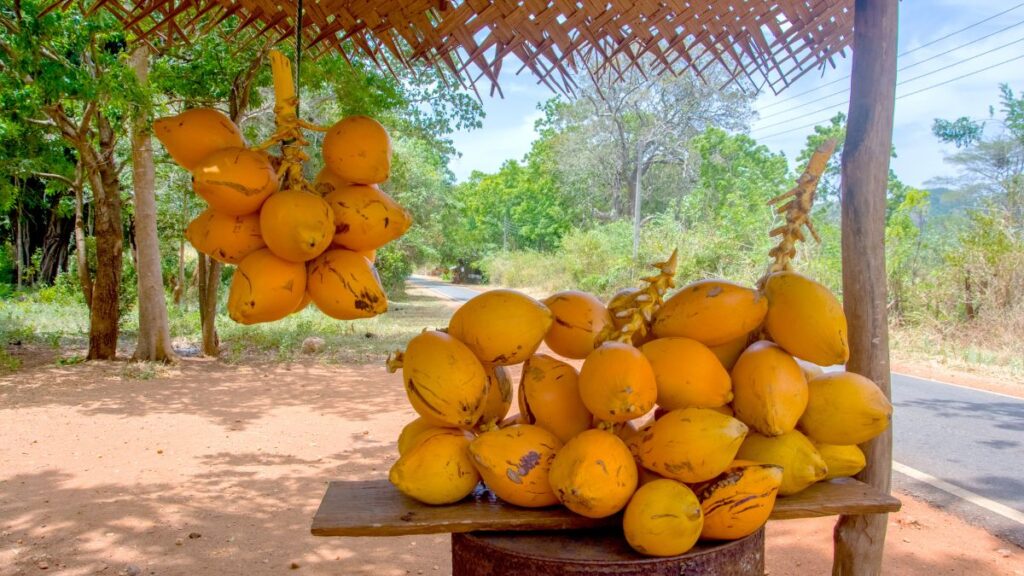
(376, 508)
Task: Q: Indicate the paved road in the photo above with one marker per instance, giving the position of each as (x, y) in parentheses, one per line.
(969, 439)
(449, 291)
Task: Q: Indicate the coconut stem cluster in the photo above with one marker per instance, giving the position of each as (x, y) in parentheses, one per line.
(798, 210)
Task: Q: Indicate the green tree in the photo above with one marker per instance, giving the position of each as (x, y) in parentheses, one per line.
(625, 123)
(67, 72)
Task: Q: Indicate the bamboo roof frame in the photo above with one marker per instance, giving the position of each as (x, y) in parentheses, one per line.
(760, 43)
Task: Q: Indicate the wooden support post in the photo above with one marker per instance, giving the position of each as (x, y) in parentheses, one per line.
(859, 540)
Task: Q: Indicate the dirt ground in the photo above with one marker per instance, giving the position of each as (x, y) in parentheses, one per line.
(207, 468)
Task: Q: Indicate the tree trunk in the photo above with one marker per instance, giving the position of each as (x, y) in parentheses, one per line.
(180, 290)
(969, 308)
(81, 250)
(637, 207)
(208, 270)
(104, 314)
(55, 246)
(154, 337)
(860, 540)
(19, 246)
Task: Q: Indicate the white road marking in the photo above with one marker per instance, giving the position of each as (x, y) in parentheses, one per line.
(958, 386)
(976, 499)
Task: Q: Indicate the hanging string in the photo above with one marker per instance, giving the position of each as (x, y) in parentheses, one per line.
(298, 53)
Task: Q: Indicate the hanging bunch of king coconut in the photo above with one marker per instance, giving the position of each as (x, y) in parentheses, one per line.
(291, 241)
(689, 412)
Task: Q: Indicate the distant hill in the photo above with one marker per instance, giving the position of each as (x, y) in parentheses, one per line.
(949, 202)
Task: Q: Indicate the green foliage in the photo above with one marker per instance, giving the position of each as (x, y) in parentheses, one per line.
(963, 131)
(393, 266)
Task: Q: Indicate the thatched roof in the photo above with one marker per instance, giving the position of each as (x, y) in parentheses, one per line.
(765, 43)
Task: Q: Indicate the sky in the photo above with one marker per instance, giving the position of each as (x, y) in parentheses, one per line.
(508, 126)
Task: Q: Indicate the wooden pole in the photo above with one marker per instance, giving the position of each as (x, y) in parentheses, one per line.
(860, 540)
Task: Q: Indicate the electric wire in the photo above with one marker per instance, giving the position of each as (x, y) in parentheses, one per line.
(907, 67)
(900, 83)
(908, 94)
(911, 51)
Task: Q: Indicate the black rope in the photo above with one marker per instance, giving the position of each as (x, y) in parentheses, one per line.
(298, 53)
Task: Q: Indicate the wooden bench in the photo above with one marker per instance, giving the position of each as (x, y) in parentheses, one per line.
(376, 508)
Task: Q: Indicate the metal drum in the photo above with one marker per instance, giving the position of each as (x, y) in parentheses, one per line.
(586, 553)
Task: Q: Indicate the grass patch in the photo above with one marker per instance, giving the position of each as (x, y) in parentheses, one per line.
(357, 341)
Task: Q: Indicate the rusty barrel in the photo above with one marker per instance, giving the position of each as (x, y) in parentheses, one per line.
(593, 553)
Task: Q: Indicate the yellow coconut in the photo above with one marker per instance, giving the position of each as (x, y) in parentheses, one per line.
(358, 149)
(225, 238)
(327, 182)
(845, 408)
(691, 444)
(365, 218)
(841, 461)
(727, 410)
(265, 288)
(502, 327)
(235, 181)
(499, 396)
(729, 352)
(344, 285)
(712, 312)
(594, 474)
(195, 134)
(801, 463)
(664, 518)
(770, 389)
(514, 463)
(411, 430)
(687, 373)
(740, 500)
(617, 383)
(579, 318)
(806, 319)
(437, 470)
(549, 396)
(296, 225)
(444, 381)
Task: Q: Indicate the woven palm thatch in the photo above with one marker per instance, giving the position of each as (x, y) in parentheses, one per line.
(761, 43)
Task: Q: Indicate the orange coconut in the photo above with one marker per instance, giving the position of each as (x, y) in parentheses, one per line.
(235, 181)
(617, 383)
(358, 149)
(770, 389)
(225, 238)
(688, 374)
(579, 318)
(265, 288)
(344, 285)
(366, 218)
(549, 396)
(502, 327)
(296, 225)
(194, 134)
(712, 312)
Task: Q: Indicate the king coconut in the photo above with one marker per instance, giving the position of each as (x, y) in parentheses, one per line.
(689, 413)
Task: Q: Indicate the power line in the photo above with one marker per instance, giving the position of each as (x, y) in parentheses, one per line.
(900, 83)
(907, 67)
(908, 94)
(900, 55)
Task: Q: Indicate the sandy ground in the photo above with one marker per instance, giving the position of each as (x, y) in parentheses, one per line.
(210, 468)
